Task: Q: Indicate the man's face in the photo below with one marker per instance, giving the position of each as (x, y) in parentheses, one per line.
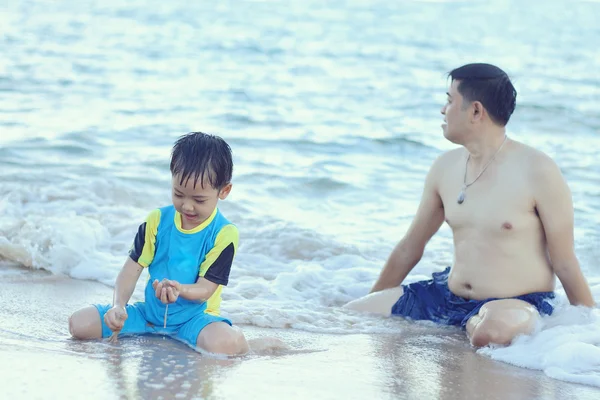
(455, 115)
(195, 204)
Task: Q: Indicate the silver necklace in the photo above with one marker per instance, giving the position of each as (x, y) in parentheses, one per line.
(462, 194)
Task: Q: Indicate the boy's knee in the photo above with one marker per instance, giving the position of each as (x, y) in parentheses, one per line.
(74, 328)
(85, 324)
(231, 343)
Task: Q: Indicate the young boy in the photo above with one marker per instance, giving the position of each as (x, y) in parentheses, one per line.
(188, 248)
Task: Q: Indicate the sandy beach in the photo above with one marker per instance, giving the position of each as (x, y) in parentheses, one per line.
(40, 361)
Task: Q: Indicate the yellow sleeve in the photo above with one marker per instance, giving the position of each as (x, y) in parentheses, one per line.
(217, 264)
(142, 250)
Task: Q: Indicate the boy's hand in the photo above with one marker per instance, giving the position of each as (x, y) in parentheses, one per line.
(115, 318)
(166, 290)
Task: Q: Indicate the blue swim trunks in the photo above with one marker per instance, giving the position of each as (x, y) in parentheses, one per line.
(432, 300)
(139, 321)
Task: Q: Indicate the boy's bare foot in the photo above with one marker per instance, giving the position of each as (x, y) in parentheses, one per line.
(268, 345)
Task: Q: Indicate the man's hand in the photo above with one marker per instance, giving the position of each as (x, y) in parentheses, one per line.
(167, 291)
(115, 318)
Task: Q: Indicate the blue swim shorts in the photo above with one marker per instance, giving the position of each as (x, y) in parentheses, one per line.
(136, 323)
(432, 300)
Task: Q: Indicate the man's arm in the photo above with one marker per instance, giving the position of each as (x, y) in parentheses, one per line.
(555, 208)
(427, 221)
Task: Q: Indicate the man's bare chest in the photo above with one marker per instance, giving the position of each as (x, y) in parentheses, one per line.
(499, 203)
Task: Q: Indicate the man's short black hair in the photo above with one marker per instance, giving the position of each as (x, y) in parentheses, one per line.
(202, 156)
(489, 85)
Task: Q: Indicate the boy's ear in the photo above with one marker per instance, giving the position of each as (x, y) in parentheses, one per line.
(225, 191)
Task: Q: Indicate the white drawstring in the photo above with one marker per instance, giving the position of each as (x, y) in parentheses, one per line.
(166, 312)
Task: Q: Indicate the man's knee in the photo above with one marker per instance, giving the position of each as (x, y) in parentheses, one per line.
(500, 321)
(484, 335)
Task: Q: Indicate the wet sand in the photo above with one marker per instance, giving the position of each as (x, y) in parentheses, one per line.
(39, 360)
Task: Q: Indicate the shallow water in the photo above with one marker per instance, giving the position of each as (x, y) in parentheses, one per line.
(332, 111)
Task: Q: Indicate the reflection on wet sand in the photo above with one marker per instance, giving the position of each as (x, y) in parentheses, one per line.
(159, 367)
(429, 362)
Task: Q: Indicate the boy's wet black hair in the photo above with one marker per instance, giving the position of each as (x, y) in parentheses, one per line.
(203, 157)
(489, 85)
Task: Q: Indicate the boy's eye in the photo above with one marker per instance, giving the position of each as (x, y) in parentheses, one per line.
(199, 201)
(178, 195)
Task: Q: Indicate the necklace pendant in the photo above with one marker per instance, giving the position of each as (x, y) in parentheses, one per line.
(461, 197)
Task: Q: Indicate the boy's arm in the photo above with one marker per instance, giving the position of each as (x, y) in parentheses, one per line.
(215, 269)
(141, 255)
(125, 284)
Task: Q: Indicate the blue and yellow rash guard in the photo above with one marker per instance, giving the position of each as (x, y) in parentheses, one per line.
(169, 251)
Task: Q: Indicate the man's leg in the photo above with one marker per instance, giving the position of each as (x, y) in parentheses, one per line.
(499, 321)
(378, 302)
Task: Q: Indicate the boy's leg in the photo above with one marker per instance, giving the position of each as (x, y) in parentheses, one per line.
(85, 324)
(88, 323)
(214, 335)
(222, 338)
(379, 302)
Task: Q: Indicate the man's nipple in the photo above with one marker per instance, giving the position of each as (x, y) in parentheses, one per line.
(507, 225)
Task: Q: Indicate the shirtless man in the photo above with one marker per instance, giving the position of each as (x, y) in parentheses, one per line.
(511, 216)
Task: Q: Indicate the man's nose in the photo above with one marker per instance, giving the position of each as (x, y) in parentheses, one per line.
(443, 110)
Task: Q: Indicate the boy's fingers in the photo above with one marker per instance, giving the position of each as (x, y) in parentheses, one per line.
(122, 316)
(163, 296)
(171, 293)
(110, 323)
(158, 289)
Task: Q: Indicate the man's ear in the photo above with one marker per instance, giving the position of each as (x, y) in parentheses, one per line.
(224, 192)
(477, 111)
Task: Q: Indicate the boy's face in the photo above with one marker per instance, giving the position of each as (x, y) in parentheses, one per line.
(195, 204)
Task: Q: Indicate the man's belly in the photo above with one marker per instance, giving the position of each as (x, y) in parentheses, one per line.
(503, 269)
